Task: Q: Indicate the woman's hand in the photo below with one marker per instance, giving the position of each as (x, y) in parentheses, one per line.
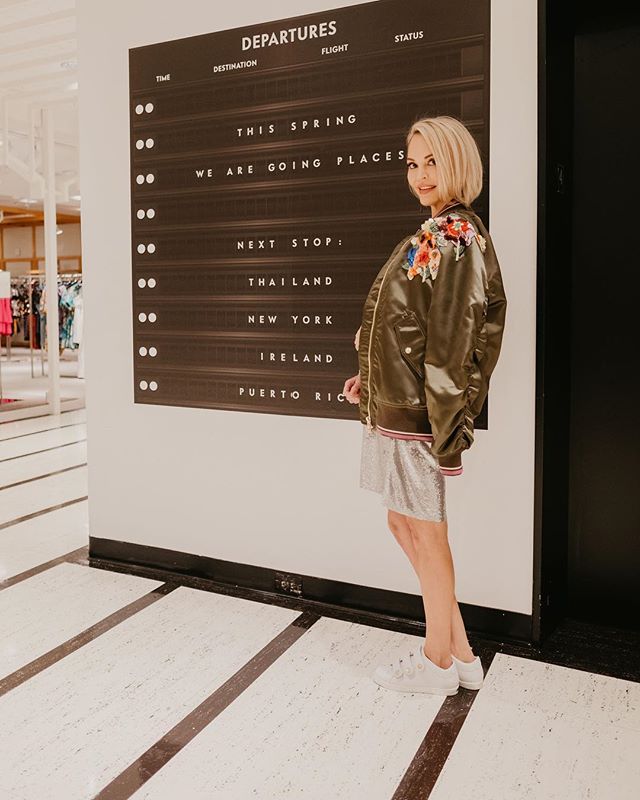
(352, 389)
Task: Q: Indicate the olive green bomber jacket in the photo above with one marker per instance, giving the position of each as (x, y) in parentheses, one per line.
(431, 334)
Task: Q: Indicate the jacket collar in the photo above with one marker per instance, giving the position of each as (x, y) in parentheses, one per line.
(453, 206)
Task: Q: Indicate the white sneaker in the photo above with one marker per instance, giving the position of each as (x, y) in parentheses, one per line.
(414, 672)
(470, 673)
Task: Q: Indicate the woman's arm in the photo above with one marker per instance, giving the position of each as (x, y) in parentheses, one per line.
(490, 339)
(452, 375)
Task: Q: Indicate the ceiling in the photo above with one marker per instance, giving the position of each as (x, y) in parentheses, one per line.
(38, 68)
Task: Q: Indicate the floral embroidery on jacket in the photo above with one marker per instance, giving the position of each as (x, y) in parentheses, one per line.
(435, 234)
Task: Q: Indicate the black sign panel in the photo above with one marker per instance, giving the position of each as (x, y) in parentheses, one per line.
(268, 187)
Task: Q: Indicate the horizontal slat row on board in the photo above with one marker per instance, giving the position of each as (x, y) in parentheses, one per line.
(261, 282)
(305, 396)
(298, 317)
(341, 117)
(270, 355)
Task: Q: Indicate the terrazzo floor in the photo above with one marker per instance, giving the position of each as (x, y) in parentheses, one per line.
(115, 685)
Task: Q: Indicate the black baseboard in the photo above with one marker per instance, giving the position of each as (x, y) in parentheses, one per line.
(394, 610)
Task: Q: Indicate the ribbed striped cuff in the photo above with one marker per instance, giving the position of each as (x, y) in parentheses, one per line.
(451, 464)
(451, 470)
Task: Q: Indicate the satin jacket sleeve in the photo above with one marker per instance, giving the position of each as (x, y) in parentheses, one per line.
(456, 323)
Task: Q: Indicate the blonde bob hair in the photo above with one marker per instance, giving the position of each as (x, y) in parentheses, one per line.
(456, 154)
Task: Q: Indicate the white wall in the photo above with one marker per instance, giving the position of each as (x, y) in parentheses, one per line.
(18, 243)
(281, 491)
(68, 242)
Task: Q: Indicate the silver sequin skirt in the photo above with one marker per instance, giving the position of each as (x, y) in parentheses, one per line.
(405, 473)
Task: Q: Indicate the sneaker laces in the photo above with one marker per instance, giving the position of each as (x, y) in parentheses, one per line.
(400, 663)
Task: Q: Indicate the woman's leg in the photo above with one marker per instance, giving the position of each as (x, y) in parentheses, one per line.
(400, 529)
(399, 526)
(460, 646)
(435, 573)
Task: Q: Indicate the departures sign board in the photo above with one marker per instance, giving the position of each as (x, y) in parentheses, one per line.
(268, 187)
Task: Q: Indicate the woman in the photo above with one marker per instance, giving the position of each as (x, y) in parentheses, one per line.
(430, 337)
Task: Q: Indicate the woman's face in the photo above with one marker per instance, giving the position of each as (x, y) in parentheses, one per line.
(422, 172)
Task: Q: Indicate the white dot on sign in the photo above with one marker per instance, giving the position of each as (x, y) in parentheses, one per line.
(149, 108)
(149, 142)
(139, 144)
(139, 179)
(143, 351)
(143, 384)
(152, 317)
(139, 108)
(151, 213)
(142, 316)
(142, 283)
(141, 248)
(153, 386)
(151, 282)
(151, 247)
(140, 213)
(151, 178)
(153, 352)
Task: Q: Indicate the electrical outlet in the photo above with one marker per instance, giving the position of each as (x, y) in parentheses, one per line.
(291, 584)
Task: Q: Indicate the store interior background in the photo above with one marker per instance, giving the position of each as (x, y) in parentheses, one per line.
(38, 67)
(279, 492)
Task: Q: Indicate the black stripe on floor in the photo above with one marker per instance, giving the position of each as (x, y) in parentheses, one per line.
(43, 430)
(46, 450)
(46, 475)
(39, 513)
(79, 556)
(150, 762)
(23, 674)
(425, 767)
(40, 416)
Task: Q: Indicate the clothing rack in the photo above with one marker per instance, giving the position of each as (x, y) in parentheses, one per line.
(29, 277)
